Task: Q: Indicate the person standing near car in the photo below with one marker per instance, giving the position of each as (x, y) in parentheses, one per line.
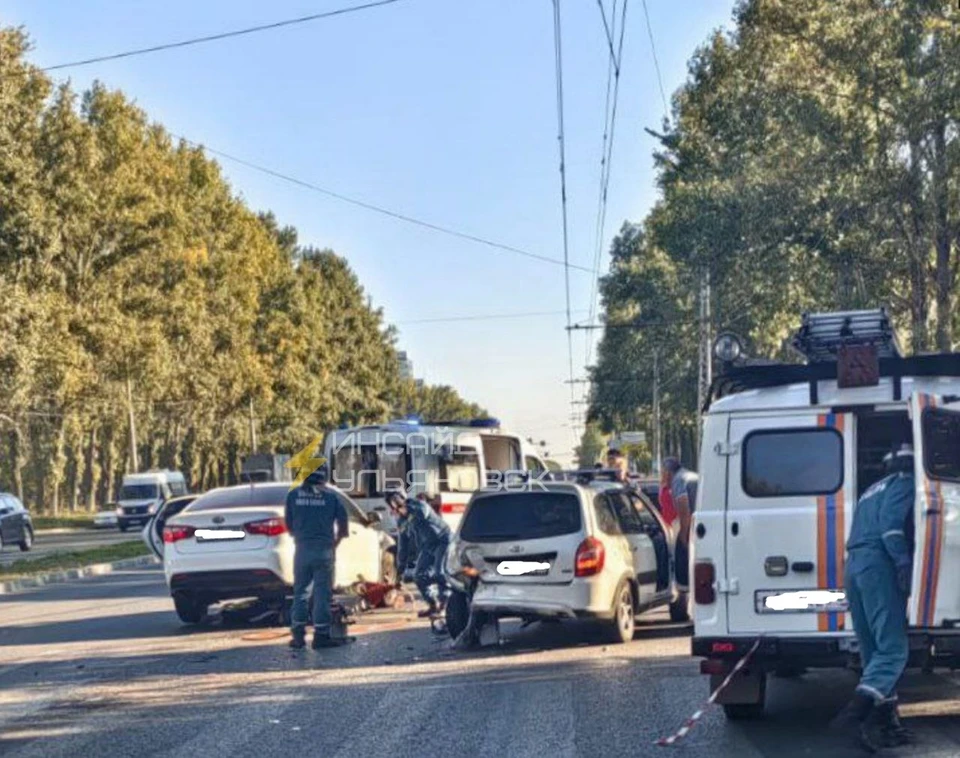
(417, 521)
(877, 585)
(683, 490)
(317, 521)
(617, 461)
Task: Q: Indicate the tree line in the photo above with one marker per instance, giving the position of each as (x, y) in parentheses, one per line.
(810, 163)
(138, 293)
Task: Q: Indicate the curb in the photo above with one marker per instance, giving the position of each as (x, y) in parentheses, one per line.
(69, 575)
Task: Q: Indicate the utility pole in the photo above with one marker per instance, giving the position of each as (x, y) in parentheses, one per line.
(253, 429)
(657, 452)
(135, 464)
(705, 374)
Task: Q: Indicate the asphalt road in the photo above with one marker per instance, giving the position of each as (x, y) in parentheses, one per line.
(46, 544)
(103, 667)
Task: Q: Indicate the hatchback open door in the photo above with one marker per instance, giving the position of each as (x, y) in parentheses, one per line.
(934, 601)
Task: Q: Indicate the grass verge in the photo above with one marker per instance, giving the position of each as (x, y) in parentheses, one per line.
(75, 559)
(75, 520)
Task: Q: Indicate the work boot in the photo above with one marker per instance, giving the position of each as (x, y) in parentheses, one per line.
(892, 732)
(430, 611)
(321, 641)
(854, 721)
(298, 640)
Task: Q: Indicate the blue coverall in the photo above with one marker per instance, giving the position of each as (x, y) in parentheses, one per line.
(431, 534)
(879, 563)
(311, 514)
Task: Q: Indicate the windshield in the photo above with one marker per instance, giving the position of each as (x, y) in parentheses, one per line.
(139, 491)
(521, 516)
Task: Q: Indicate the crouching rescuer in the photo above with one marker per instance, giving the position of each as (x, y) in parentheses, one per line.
(317, 520)
(419, 524)
(878, 578)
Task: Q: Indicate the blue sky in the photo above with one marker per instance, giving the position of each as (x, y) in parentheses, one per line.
(440, 109)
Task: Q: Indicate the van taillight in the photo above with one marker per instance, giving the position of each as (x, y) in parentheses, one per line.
(269, 527)
(704, 576)
(177, 533)
(590, 557)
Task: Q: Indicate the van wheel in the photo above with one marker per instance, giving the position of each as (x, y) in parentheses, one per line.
(748, 711)
(621, 627)
(680, 608)
(190, 609)
(743, 711)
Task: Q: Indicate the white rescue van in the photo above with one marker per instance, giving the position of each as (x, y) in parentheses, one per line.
(448, 461)
(786, 452)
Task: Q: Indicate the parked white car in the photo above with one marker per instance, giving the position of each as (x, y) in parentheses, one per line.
(232, 542)
(561, 550)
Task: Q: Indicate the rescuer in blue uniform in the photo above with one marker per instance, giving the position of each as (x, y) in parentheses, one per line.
(418, 523)
(878, 577)
(317, 520)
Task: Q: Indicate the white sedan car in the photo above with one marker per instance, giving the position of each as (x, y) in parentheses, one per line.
(232, 543)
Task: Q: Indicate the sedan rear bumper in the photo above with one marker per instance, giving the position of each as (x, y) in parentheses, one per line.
(579, 598)
(230, 585)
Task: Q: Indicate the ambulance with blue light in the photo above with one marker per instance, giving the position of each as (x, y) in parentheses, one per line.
(445, 460)
(786, 451)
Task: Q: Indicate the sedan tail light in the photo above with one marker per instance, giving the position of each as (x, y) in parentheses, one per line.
(590, 557)
(177, 533)
(704, 577)
(269, 527)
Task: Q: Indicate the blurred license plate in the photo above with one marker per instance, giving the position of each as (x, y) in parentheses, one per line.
(523, 568)
(212, 535)
(801, 601)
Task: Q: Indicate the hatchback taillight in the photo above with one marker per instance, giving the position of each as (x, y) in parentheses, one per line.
(704, 577)
(177, 533)
(590, 557)
(269, 527)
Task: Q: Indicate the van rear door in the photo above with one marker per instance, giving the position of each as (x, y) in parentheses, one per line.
(790, 490)
(934, 601)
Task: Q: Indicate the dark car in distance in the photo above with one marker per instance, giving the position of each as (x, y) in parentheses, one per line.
(16, 527)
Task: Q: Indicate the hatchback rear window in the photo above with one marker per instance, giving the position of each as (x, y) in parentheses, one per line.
(521, 516)
(240, 497)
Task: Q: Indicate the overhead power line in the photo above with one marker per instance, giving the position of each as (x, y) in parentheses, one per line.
(484, 317)
(380, 209)
(223, 35)
(656, 62)
(558, 62)
(606, 158)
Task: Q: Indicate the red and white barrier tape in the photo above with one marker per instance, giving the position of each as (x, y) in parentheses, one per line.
(689, 723)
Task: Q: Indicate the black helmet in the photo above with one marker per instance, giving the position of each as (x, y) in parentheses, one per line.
(393, 495)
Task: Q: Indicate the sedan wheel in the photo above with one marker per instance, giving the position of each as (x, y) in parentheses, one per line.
(27, 542)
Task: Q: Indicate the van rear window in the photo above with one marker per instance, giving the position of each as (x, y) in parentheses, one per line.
(791, 462)
(521, 516)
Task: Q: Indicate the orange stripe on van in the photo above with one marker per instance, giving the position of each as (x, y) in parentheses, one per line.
(925, 401)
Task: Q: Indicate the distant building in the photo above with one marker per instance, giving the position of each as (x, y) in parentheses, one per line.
(406, 365)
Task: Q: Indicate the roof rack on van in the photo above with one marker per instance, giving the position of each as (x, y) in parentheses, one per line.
(821, 336)
(749, 377)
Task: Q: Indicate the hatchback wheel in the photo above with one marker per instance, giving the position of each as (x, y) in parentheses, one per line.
(27, 542)
(623, 623)
(190, 608)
